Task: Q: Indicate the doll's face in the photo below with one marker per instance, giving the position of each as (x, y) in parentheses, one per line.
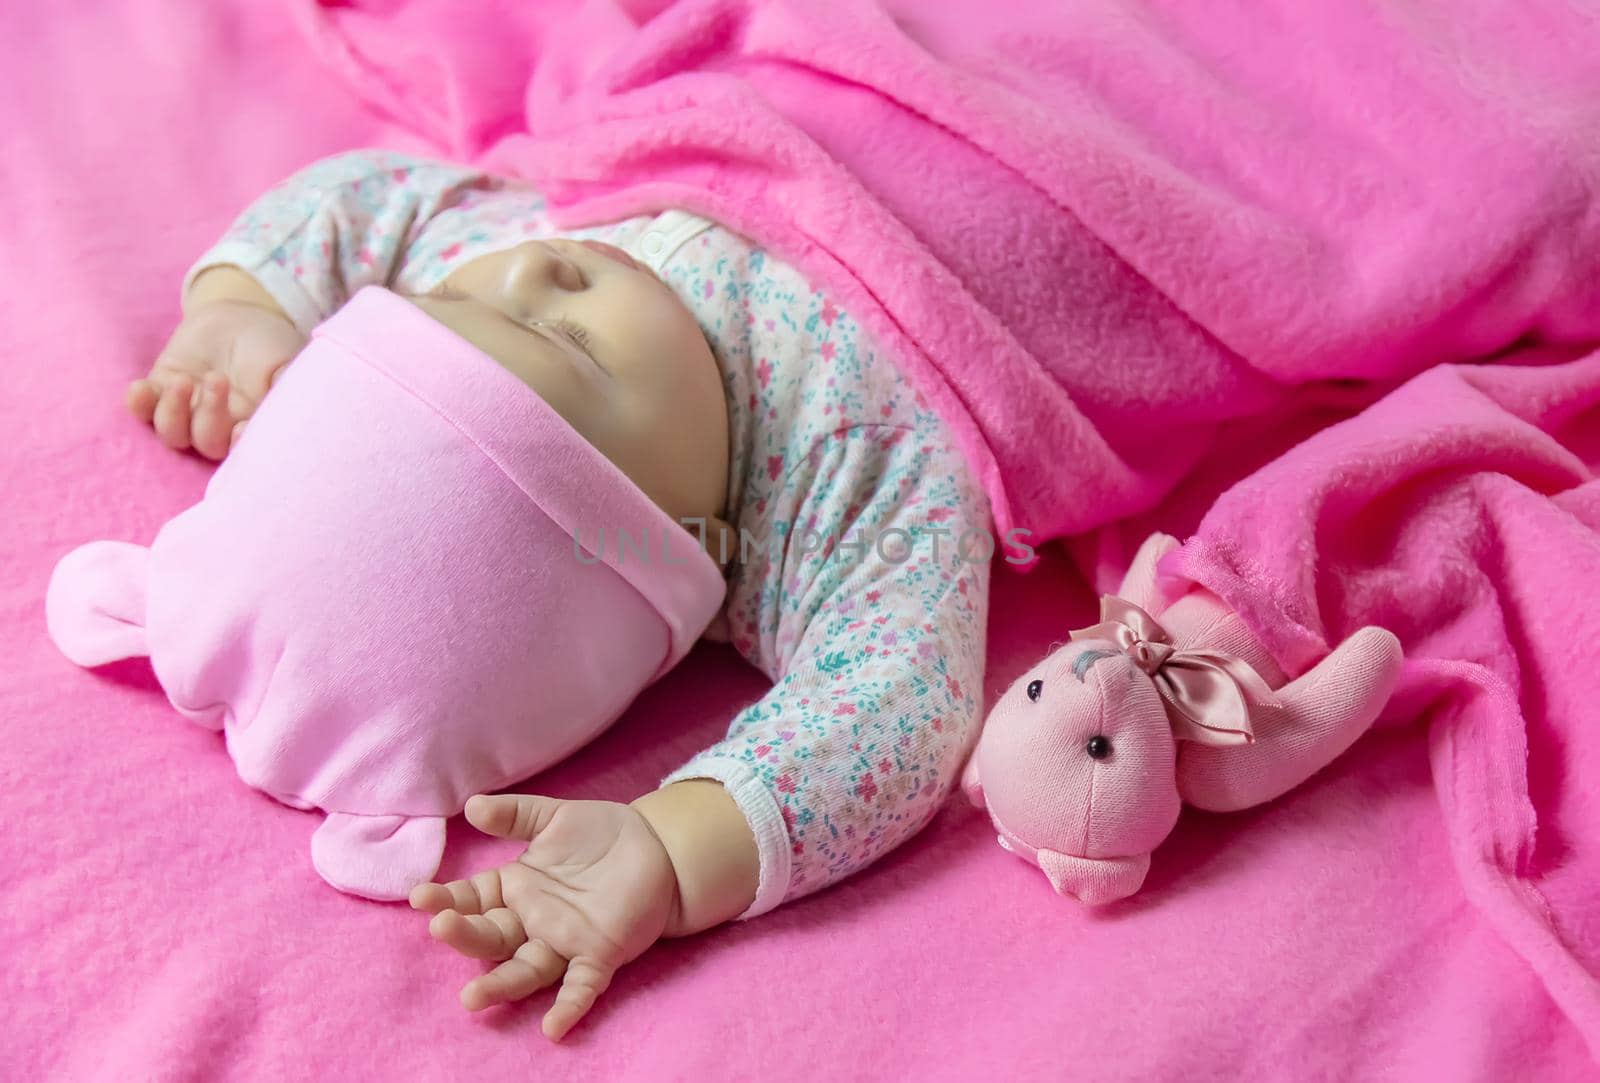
(611, 349)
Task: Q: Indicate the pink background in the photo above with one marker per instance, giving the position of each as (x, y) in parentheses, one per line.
(160, 920)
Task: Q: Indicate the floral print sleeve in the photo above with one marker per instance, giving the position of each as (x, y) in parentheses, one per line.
(880, 647)
(352, 220)
(861, 584)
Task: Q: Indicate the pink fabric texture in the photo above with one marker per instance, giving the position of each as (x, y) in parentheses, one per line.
(1462, 512)
(1083, 760)
(410, 582)
(1099, 236)
(156, 920)
(1077, 225)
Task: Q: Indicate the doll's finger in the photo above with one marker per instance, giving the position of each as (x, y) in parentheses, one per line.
(172, 413)
(534, 966)
(141, 398)
(511, 815)
(478, 895)
(494, 935)
(586, 979)
(431, 897)
(211, 426)
(240, 405)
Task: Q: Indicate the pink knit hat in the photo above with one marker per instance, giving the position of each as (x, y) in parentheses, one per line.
(380, 600)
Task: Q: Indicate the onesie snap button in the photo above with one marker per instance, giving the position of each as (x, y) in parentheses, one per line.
(652, 244)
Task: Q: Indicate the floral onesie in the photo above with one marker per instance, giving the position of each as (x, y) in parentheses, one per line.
(860, 585)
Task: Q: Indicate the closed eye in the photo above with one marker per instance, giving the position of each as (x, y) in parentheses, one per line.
(578, 335)
(574, 333)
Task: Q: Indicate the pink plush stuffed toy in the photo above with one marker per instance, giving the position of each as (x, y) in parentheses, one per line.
(403, 587)
(1085, 761)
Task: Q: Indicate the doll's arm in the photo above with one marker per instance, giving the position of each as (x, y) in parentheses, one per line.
(880, 661)
(335, 226)
(712, 850)
(289, 261)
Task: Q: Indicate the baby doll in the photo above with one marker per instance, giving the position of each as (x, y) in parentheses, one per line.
(746, 406)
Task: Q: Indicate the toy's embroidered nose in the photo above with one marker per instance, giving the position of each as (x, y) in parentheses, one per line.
(1081, 664)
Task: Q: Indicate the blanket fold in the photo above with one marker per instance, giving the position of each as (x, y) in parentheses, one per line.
(1446, 513)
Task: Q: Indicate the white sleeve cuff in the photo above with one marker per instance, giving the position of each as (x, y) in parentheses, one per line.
(761, 809)
(291, 297)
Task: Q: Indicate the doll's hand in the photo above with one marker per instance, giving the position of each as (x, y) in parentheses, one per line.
(213, 373)
(593, 891)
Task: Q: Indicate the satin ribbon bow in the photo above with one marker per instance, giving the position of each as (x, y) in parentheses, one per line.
(1207, 693)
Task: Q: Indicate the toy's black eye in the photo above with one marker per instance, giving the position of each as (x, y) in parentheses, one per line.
(1098, 747)
(1034, 688)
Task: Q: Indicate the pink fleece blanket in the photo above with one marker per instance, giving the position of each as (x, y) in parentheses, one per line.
(1461, 512)
(157, 920)
(1094, 232)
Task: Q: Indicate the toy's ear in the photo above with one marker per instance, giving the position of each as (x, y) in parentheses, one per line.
(1139, 584)
(1313, 721)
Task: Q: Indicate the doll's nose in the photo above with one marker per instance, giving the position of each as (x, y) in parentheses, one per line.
(538, 266)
